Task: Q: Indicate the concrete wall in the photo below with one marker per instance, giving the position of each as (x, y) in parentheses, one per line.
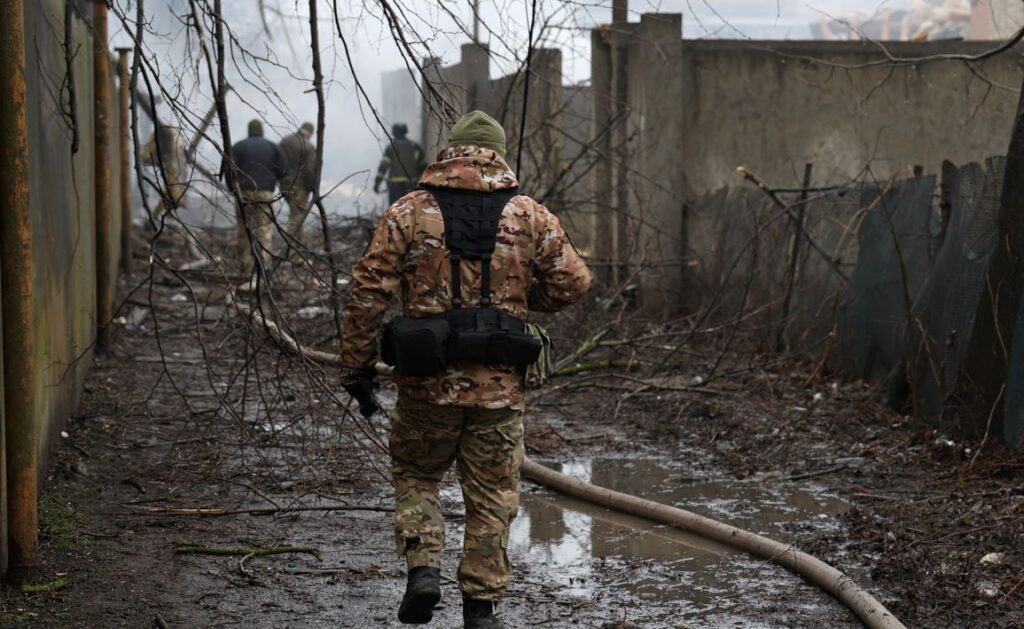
(451, 91)
(774, 106)
(467, 85)
(672, 120)
(541, 148)
(638, 135)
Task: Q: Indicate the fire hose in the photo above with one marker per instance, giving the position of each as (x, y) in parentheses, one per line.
(870, 612)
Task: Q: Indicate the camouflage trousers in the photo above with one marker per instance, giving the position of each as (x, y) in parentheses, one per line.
(256, 217)
(298, 199)
(487, 447)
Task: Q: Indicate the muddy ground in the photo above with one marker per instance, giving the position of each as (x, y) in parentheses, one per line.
(197, 430)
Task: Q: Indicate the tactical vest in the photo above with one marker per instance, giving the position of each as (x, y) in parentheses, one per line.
(425, 346)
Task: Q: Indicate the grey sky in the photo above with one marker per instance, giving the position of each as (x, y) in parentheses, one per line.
(278, 90)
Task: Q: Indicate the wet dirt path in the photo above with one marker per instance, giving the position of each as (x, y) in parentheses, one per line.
(136, 451)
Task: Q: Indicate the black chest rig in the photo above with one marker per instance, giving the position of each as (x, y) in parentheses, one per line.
(424, 346)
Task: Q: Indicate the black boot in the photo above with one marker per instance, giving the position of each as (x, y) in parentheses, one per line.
(422, 592)
(480, 614)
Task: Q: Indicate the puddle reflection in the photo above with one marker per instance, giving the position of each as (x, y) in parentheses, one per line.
(568, 538)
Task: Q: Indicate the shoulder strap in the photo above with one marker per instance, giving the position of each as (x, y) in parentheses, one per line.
(471, 231)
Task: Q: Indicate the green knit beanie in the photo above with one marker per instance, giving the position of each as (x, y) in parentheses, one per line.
(478, 129)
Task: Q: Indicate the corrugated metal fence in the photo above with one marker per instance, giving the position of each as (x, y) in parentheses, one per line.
(891, 277)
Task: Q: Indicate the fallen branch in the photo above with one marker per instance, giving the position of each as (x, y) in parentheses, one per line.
(316, 571)
(234, 551)
(585, 348)
(814, 474)
(593, 365)
(290, 344)
(213, 512)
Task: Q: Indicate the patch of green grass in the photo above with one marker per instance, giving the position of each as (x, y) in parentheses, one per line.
(45, 586)
(60, 521)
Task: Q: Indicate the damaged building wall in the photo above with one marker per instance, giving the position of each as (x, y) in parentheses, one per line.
(871, 239)
(503, 97)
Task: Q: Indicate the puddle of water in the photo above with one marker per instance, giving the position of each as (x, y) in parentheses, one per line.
(576, 543)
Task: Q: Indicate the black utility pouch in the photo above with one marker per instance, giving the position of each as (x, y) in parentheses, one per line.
(517, 348)
(471, 346)
(416, 347)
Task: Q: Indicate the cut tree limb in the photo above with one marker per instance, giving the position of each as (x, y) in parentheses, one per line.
(235, 551)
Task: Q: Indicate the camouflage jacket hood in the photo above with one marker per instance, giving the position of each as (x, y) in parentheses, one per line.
(534, 267)
(470, 168)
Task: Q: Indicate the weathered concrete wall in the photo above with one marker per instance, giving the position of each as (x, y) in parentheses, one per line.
(62, 198)
(657, 140)
(541, 154)
(673, 119)
(558, 159)
(774, 106)
(638, 135)
(571, 194)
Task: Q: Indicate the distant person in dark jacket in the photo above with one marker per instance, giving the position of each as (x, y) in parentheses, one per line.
(258, 164)
(297, 184)
(402, 164)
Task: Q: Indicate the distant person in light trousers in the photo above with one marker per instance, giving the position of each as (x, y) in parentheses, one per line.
(258, 165)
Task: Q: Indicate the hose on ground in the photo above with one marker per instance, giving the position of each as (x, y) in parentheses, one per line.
(872, 613)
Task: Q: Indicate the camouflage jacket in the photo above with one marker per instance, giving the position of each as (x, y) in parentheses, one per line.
(534, 267)
(301, 156)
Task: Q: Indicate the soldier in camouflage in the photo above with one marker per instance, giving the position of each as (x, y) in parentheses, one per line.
(300, 178)
(471, 414)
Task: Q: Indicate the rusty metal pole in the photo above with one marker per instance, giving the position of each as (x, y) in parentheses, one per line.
(124, 143)
(16, 289)
(101, 160)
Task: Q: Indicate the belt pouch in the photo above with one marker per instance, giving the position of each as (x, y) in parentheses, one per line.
(416, 346)
(518, 348)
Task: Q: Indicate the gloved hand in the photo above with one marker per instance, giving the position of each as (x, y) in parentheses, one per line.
(360, 385)
(376, 186)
